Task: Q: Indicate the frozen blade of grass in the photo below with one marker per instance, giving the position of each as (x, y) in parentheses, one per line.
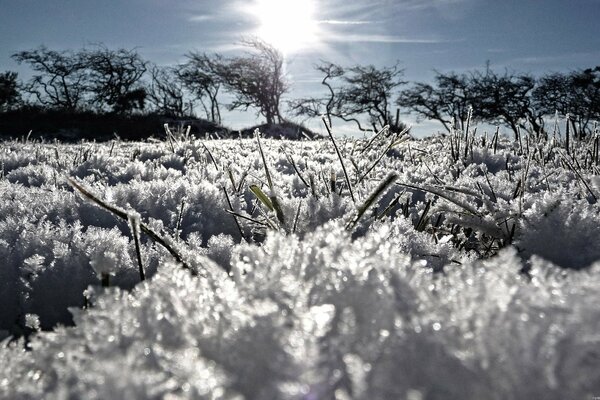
(143, 227)
(375, 136)
(262, 155)
(134, 225)
(262, 197)
(495, 139)
(274, 201)
(337, 150)
(517, 190)
(180, 217)
(170, 137)
(297, 217)
(393, 143)
(445, 196)
(423, 219)
(494, 197)
(377, 161)
(210, 156)
(278, 210)
(237, 223)
(382, 187)
(253, 220)
(356, 167)
(291, 161)
(572, 168)
(230, 174)
(270, 202)
(325, 182)
(391, 205)
(313, 189)
(401, 139)
(567, 135)
(332, 179)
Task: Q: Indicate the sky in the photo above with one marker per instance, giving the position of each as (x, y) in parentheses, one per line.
(421, 36)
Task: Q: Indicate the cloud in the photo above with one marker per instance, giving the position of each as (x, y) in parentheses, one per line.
(344, 22)
(374, 38)
(423, 4)
(201, 18)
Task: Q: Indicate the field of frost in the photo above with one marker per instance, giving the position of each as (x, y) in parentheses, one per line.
(457, 267)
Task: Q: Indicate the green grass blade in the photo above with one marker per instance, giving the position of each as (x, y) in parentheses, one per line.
(262, 197)
(382, 187)
(337, 150)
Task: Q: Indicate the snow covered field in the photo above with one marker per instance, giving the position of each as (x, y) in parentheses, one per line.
(455, 268)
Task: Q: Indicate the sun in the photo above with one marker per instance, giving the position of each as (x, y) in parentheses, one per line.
(288, 25)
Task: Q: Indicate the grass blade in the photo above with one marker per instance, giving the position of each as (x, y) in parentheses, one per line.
(262, 197)
(143, 227)
(337, 150)
(134, 225)
(382, 187)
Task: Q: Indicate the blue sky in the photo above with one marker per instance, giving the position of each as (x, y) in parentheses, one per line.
(423, 36)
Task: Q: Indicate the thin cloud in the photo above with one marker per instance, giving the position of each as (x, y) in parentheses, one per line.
(201, 18)
(369, 38)
(423, 4)
(561, 58)
(344, 22)
(226, 48)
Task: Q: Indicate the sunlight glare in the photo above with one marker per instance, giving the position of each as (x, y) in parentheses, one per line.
(289, 25)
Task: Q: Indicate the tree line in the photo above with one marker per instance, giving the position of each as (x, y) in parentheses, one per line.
(120, 81)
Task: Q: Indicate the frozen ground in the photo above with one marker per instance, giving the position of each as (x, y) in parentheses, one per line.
(465, 268)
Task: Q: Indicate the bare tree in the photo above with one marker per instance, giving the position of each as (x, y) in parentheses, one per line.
(576, 94)
(255, 79)
(166, 93)
(447, 100)
(115, 78)
(359, 94)
(326, 106)
(199, 76)
(60, 81)
(553, 93)
(506, 99)
(9, 90)
(368, 90)
(587, 86)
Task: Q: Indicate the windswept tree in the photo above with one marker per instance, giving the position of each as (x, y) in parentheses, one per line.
(576, 94)
(367, 90)
(506, 99)
(199, 75)
(359, 94)
(166, 93)
(553, 94)
(115, 78)
(447, 100)
(255, 79)
(9, 90)
(326, 106)
(60, 79)
(587, 85)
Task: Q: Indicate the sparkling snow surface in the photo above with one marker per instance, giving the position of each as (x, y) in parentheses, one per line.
(492, 296)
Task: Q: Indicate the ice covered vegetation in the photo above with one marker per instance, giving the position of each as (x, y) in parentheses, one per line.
(457, 267)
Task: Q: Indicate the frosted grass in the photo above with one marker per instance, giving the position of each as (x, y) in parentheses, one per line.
(467, 275)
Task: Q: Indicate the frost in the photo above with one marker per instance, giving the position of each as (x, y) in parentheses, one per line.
(475, 279)
(107, 250)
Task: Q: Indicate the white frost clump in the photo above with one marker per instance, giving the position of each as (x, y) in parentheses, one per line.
(107, 250)
(322, 317)
(562, 230)
(315, 312)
